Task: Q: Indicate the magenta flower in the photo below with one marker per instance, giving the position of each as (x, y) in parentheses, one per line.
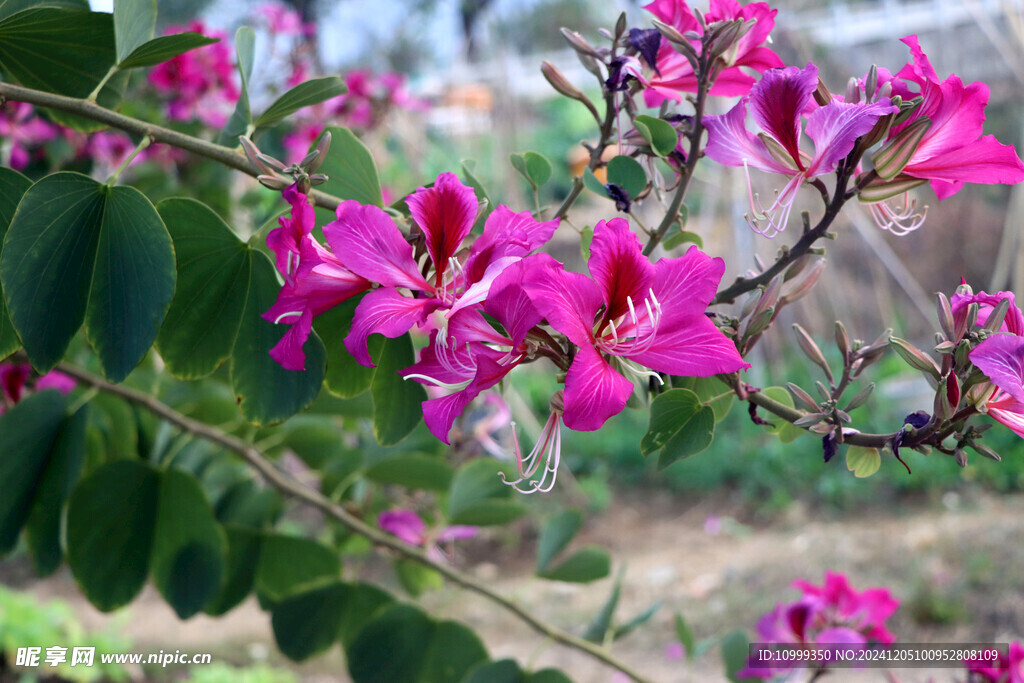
(646, 315)
(410, 528)
(22, 132)
(16, 383)
(673, 73)
(831, 614)
(376, 249)
(953, 150)
(777, 104)
(1009, 668)
(315, 280)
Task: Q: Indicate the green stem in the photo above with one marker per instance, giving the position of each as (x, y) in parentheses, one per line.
(96, 92)
(143, 144)
(287, 485)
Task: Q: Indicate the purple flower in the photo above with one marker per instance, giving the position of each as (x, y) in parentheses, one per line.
(633, 312)
(410, 528)
(778, 103)
(16, 383)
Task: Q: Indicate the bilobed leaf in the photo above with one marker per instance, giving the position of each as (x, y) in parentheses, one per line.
(304, 94)
(397, 404)
(110, 523)
(351, 171)
(28, 432)
(63, 467)
(658, 133)
(786, 432)
(413, 471)
(64, 51)
(13, 187)
(711, 393)
(454, 650)
(862, 461)
(307, 623)
(269, 393)
(363, 603)
(189, 548)
(534, 167)
(680, 426)
(627, 173)
(214, 270)
(735, 650)
(9, 7)
(164, 48)
(478, 496)
(583, 566)
(78, 250)
(290, 565)
(241, 117)
(591, 182)
(416, 578)
(556, 536)
(134, 24)
(681, 237)
(243, 556)
(393, 646)
(501, 671)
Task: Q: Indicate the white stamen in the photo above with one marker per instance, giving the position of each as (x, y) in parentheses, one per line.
(898, 220)
(548, 450)
(633, 336)
(448, 386)
(289, 314)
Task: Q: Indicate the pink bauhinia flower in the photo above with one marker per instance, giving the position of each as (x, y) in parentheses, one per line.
(410, 528)
(1009, 668)
(375, 249)
(953, 150)
(315, 280)
(16, 383)
(778, 103)
(21, 132)
(638, 314)
(673, 73)
(831, 614)
(200, 82)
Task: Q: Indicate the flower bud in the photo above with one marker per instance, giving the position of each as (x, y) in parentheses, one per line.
(894, 156)
(984, 450)
(979, 394)
(801, 395)
(809, 420)
(811, 350)
(679, 42)
(915, 357)
(620, 26)
(255, 158)
(759, 322)
(806, 285)
(907, 108)
(273, 182)
(822, 95)
(769, 297)
(879, 190)
(852, 91)
(965, 319)
(871, 83)
(579, 43)
(562, 85)
(996, 317)
(843, 341)
(323, 146)
(960, 455)
(945, 313)
(861, 398)
(947, 397)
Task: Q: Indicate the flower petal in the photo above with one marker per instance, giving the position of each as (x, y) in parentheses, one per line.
(694, 347)
(384, 311)
(511, 306)
(445, 214)
(685, 285)
(835, 128)
(371, 245)
(1007, 410)
(618, 266)
(1001, 358)
(506, 233)
(779, 99)
(569, 301)
(288, 351)
(731, 144)
(594, 391)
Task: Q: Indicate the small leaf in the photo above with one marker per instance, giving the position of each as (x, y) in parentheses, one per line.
(601, 624)
(163, 49)
(305, 94)
(735, 650)
(658, 133)
(710, 391)
(391, 647)
(308, 623)
(417, 579)
(680, 426)
(396, 403)
(350, 169)
(684, 632)
(345, 376)
(627, 173)
(538, 168)
(583, 566)
(556, 536)
(863, 462)
(478, 496)
(636, 622)
(454, 650)
(290, 565)
(591, 182)
(413, 471)
(518, 162)
(13, 187)
(243, 558)
(134, 24)
(241, 118)
(786, 431)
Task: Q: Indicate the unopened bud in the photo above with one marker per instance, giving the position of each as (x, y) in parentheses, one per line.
(562, 85)
(620, 26)
(979, 394)
(769, 297)
(319, 179)
(947, 397)
(894, 156)
(796, 268)
(907, 108)
(801, 395)
(871, 83)
(579, 43)
(679, 42)
(806, 285)
(843, 341)
(809, 420)
(589, 63)
(877, 133)
(252, 153)
(759, 322)
(945, 347)
(273, 163)
(323, 146)
(879, 189)
(822, 95)
(822, 390)
(960, 455)
(984, 450)
(273, 182)
(852, 91)
(915, 357)
(309, 159)
(811, 350)
(945, 314)
(997, 316)
(861, 398)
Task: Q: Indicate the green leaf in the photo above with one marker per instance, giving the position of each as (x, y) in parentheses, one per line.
(314, 438)
(304, 94)
(586, 239)
(364, 602)
(249, 504)
(684, 632)
(735, 650)
(351, 171)
(391, 647)
(627, 173)
(214, 272)
(501, 671)
(62, 471)
(658, 133)
(78, 250)
(414, 472)
(13, 186)
(164, 48)
(481, 195)
(188, 545)
(454, 650)
(9, 7)
(28, 432)
(583, 566)
(241, 118)
(534, 167)
(636, 622)
(345, 376)
(710, 391)
(134, 24)
(243, 558)
(306, 624)
(556, 536)
(548, 676)
(591, 182)
(269, 393)
(478, 496)
(417, 579)
(680, 426)
(786, 432)
(601, 624)
(290, 565)
(862, 461)
(682, 237)
(397, 404)
(110, 521)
